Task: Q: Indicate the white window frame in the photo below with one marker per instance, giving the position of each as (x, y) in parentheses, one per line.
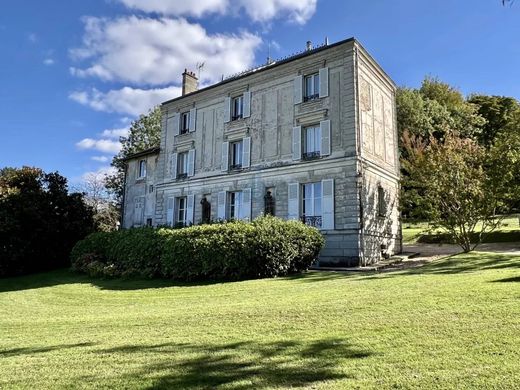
(237, 107)
(236, 154)
(308, 213)
(141, 169)
(181, 206)
(184, 125)
(311, 91)
(311, 142)
(182, 165)
(234, 205)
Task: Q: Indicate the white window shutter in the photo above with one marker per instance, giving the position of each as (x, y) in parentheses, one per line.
(327, 204)
(298, 89)
(246, 152)
(193, 119)
(173, 165)
(170, 123)
(246, 112)
(293, 205)
(297, 143)
(227, 109)
(221, 205)
(225, 157)
(176, 124)
(191, 162)
(245, 209)
(190, 208)
(325, 138)
(324, 82)
(169, 210)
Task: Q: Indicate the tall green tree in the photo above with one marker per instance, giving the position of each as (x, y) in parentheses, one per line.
(144, 133)
(39, 220)
(499, 113)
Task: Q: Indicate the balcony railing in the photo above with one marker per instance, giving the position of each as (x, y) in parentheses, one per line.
(236, 117)
(310, 155)
(312, 220)
(308, 98)
(182, 176)
(235, 167)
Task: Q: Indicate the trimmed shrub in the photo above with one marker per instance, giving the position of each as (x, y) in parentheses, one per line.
(266, 247)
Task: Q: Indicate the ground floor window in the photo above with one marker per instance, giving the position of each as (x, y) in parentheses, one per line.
(234, 205)
(311, 204)
(181, 211)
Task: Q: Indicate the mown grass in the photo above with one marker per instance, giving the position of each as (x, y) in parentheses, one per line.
(414, 232)
(451, 324)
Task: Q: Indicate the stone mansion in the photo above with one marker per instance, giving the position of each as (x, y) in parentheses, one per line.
(311, 137)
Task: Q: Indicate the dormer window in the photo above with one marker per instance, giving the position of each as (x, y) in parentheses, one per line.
(237, 108)
(311, 87)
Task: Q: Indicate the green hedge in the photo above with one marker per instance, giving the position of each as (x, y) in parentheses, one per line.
(266, 247)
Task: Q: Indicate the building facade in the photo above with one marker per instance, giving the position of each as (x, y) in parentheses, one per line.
(311, 137)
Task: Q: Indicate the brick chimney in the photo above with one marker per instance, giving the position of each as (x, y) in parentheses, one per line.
(189, 82)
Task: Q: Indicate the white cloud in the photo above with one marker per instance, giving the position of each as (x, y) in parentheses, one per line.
(48, 61)
(298, 11)
(102, 145)
(115, 133)
(131, 101)
(99, 173)
(32, 37)
(146, 51)
(102, 159)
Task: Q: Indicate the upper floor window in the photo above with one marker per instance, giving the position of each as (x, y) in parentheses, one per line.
(311, 87)
(237, 107)
(181, 211)
(185, 122)
(311, 142)
(311, 204)
(236, 154)
(141, 171)
(182, 165)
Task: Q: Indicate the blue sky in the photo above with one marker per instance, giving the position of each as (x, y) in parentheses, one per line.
(74, 73)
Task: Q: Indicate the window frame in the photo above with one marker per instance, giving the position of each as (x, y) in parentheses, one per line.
(236, 153)
(182, 165)
(237, 111)
(307, 153)
(312, 217)
(314, 92)
(181, 201)
(234, 204)
(184, 125)
(141, 169)
(382, 207)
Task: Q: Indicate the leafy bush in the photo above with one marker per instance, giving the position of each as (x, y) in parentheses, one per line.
(266, 247)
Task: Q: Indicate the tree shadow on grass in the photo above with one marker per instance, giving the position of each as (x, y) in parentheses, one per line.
(242, 365)
(35, 350)
(514, 279)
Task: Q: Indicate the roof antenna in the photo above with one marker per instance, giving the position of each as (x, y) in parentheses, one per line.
(326, 41)
(200, 65)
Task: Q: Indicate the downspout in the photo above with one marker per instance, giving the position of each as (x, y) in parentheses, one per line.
(123, 199)
(359, 175)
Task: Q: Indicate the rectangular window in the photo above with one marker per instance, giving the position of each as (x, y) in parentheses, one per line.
(381, 201)
(236, 149)
(142, 169)
(181, 211)
(311, 142)
(185, 122)
(182, 165)
(234, 205)
(311, 87)
(150, 188)
(237, 107)
(311, 204)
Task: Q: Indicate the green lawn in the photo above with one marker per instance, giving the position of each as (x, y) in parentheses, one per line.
(451, 324)
(509, 231)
